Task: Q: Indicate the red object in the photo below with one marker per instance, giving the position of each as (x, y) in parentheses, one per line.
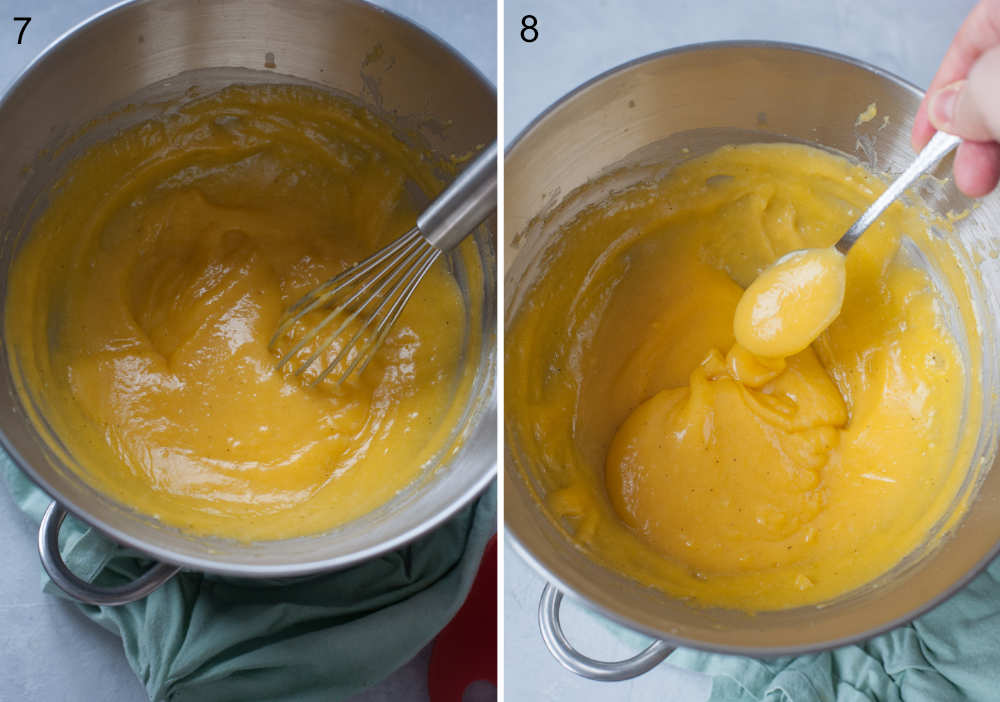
(466, 650)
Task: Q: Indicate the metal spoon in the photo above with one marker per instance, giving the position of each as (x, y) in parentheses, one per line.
(798, 296)
(937, 148)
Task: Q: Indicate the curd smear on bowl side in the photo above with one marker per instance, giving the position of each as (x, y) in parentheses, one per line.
(750, 479)
(141, 306)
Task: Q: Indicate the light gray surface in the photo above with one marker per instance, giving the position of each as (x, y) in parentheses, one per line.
(49, 652)
(578, 39)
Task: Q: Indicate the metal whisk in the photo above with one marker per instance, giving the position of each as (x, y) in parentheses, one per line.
(368, 297)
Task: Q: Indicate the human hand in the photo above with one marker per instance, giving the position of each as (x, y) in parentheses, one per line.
(964, 99)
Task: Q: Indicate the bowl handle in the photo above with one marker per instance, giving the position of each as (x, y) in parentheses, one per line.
(575, 662)
(79, 589)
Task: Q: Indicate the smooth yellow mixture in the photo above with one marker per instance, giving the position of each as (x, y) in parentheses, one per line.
(673, 454)
(141, 307)
(791, 303)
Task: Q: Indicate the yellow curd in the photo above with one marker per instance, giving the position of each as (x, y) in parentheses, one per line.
(791, 303)
(754, 478)
(142, 304)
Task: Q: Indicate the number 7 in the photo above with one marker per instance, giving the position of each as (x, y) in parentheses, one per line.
(24, 26)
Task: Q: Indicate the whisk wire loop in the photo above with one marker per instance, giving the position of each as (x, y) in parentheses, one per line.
(373, 293)
(377, 289)
(321, 294)
(387, 280)
(412, 277)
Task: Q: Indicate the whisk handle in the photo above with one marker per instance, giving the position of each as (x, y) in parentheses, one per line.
(464, 204)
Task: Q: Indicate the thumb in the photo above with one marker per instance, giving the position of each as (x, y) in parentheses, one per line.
(971, 108)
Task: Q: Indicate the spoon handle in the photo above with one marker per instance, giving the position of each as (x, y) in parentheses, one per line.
(937, 148)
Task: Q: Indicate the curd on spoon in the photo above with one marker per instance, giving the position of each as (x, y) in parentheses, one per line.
(791, 303)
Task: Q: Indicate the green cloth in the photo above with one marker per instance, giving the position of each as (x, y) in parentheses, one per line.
(320, 638)
(950, 654)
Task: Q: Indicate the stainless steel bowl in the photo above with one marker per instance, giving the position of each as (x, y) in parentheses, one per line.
(663, 109)
(144, 51)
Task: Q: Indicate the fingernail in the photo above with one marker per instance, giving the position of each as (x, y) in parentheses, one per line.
(942, 107)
